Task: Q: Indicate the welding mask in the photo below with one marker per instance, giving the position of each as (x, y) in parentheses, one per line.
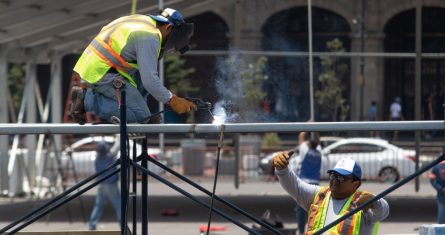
(179, 38)
(181, 33)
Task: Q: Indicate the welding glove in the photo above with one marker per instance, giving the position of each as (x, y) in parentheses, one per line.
(280, 160)
(364, 197)
(181, 105)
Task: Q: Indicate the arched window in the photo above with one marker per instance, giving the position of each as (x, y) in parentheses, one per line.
(400, 73)
(288, 84)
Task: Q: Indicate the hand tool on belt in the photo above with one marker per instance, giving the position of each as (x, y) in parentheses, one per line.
(118, 85)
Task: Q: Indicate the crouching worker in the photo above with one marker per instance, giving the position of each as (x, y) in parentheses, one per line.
(326, 204)
(124, 56)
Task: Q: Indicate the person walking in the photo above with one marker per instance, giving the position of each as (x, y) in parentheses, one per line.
(108, 188)
(325, 204)
(395, 114)
(308, 168)
(124, 56)
(372, 116)
(437, 180)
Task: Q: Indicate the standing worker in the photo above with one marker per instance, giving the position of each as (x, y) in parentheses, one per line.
(108, 188)
(124, 55)
(308, 168)
(437, 179)
(325, 204)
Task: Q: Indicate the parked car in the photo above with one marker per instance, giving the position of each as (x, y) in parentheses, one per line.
(379, 159)
(83, 156)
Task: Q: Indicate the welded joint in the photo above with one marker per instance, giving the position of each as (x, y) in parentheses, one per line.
(221, 135)
(193, 129)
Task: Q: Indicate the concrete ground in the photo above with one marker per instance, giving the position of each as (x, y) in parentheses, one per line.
(409, 209)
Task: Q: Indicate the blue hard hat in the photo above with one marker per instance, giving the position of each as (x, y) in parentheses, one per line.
(170, 16)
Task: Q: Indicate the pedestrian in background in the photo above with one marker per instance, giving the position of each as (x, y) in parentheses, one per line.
(372, 116)
(308, 169)
(326, 204)
(437, 179)
(108, 188)
(395, 114)
(429, 112)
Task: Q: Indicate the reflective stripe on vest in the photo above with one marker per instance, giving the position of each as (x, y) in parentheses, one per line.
(318, 211)
(104, 51)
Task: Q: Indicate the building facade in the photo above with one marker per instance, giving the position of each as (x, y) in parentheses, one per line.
(388, 26)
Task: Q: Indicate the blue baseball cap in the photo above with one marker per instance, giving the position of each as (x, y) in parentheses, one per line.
(170, 16)
(347, 166)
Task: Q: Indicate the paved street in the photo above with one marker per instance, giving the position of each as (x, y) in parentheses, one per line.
(408, 209)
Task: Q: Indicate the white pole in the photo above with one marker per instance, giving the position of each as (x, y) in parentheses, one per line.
(282, 127)
(4, 114)
(311, 72)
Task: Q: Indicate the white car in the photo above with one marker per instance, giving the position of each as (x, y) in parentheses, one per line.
(83, 156)
(265, 166)
(378, 159)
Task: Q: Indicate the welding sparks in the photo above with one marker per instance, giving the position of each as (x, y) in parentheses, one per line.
(217, 120)
(219, 114)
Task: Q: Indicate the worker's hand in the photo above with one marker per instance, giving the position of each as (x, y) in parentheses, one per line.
(181, 105)
(366, 196)
(280, 160)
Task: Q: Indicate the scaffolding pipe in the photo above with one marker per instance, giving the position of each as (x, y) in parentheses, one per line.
(202, 189)
(69, 198)
(58, 197)
(124, 161)
(191, 197)
(315, 54)
(283, 127)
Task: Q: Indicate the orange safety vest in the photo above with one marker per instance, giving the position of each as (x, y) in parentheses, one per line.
(318, 210)
(104, 51)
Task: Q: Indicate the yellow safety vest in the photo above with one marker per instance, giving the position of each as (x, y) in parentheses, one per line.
(104, 51)
(318, 210)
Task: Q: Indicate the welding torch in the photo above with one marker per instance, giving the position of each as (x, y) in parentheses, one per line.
(200, 104)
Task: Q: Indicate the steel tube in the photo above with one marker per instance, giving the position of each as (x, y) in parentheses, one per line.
(134, 193)
(124, 162)
(144, 164)
(200, 188)
(315, 54)
(191, 197)
(35, 128)
(58, 197)
(57, 205)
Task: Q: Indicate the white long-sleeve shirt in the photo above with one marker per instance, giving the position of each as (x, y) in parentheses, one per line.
(303, 193)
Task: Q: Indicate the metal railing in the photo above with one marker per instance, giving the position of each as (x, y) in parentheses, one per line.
(125, 162)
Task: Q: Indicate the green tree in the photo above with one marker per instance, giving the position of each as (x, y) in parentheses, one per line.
(178, 78)
(16, 83)
(270, 140)
(242, 87)
(332, 82)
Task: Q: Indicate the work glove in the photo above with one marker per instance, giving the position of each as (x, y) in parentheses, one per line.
(280, 160)
(364, 197)
(181, 105)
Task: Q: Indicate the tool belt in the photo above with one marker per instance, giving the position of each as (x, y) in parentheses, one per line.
(77, 80)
